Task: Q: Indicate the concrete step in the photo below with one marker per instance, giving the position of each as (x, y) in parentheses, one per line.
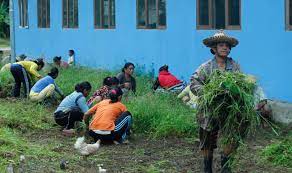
(281, 111)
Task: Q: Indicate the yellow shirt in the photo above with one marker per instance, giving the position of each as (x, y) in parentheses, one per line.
(30, 67)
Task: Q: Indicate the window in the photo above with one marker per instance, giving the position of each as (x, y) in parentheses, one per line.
(104, 14)
(43, 13)
(70, 13)
(151, 14)
(23, 18)
(288, 14)
(219, 14)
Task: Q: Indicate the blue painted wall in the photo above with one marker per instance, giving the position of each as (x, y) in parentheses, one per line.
(264, 48)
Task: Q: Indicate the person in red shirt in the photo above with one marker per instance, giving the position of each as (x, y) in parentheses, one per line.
(166, 80)
(111, 121)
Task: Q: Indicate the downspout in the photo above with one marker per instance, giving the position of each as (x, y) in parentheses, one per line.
(12, 31)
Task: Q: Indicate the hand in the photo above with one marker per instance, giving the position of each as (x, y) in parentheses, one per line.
(127, 85)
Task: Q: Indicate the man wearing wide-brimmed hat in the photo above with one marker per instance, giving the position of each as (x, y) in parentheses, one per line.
(220, 46)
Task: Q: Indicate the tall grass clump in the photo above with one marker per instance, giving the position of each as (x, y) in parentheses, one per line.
(161, 115)
(279, 153)
(227, 98)
(6, 84)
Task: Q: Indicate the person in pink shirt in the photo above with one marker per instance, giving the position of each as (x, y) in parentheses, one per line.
(59, 63)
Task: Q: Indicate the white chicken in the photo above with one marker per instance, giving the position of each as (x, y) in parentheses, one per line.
(86, 149)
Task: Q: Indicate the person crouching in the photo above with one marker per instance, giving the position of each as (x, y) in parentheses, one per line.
(111, 120)
(72, 108)
(45, 87)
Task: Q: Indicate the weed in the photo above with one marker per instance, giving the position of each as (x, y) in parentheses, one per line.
(279, 153)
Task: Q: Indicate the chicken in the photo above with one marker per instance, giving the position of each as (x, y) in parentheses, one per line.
(86, 149)
(100, 169)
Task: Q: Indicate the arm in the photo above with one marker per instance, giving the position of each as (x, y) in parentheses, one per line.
(198, 80)
(89, 113)
(59, 91)
(33, 70)
(82, 104)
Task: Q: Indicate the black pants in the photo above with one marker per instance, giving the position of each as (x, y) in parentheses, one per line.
(68, 119)
(122, 129)
(20, 76)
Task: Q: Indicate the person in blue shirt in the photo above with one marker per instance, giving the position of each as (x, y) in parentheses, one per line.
(73, 107)
(45, 87)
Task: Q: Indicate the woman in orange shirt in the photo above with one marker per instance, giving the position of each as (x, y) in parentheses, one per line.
(111, 120)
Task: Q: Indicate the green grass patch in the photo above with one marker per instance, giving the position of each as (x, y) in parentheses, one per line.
(23, 115)
(279, 153)
(162, 115)
(12, 146)
(155, 114)
(4, 43)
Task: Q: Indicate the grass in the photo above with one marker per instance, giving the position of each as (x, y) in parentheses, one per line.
(155, 115)
(4, 42)
(229, 95)
(279, 153)
(28, 129)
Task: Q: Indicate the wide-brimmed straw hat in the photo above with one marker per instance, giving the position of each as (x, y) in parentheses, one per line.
(220, 37)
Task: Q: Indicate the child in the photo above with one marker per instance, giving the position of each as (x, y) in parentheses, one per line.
(71, 59)
(45, 87)
(72, 108)
(103, 92)
(59, 63)
(111, 120)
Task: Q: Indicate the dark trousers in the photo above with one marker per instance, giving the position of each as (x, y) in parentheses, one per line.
(122, 129)
(68, 119)
(20, 76)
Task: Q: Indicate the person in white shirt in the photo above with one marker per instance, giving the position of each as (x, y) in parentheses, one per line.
(71, 59)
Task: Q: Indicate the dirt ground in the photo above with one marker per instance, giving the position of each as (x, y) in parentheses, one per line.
(143, 155)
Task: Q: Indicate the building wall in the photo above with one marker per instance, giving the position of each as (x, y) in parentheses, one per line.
(263, 49)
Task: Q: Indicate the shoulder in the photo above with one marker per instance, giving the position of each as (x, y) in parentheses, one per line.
(121, 74)
(206, 64)
(233, 62)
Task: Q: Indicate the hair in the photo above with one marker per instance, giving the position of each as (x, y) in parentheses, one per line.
(54, 71)
(163, 68)
(40, 62)
(114, 94)
(72, 51)
(128, 64)
(107, 81)
(114, 81)
(82, 86)
(57, 58)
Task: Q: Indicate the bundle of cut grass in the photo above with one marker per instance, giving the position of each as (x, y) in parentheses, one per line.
(227, 100)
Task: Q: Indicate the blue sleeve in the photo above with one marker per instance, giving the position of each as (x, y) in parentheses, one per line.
(82, 104)
(58, 90)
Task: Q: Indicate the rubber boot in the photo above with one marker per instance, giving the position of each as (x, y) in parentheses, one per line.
(225, 168)
(208, 165)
